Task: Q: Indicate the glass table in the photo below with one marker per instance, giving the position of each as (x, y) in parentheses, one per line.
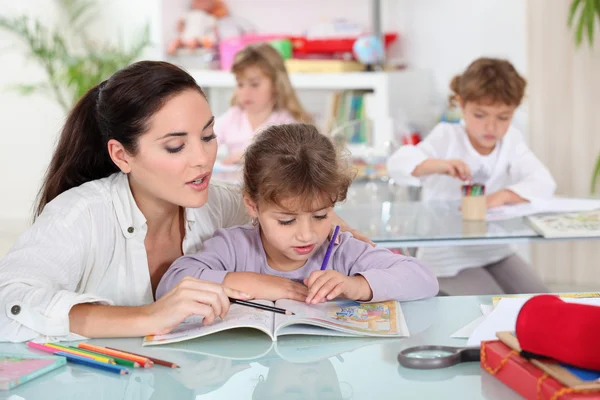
(245, 364)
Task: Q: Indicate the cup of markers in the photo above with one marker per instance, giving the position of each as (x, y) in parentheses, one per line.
(473, 202)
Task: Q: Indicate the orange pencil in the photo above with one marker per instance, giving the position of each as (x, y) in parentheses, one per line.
(156, 361)
(143, 361)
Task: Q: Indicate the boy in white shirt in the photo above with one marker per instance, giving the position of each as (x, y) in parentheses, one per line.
(483, 148)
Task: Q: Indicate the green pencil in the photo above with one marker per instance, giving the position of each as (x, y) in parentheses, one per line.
(118, 361)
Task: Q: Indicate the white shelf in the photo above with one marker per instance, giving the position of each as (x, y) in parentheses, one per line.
(324, 81)
(406, 92)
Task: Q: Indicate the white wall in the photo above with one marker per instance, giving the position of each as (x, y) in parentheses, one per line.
(445, 36)
(440, 35)
(30, 124)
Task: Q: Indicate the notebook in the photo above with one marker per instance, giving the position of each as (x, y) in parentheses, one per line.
(334, 318)
(16, 369)
(576, 224)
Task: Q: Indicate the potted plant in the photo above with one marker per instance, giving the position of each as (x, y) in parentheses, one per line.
(72, 61)
(582, 16)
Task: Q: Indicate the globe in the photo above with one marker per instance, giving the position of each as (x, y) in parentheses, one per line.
(368, 50)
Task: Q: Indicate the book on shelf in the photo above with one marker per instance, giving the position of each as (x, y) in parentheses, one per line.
(349, 113)
(335, 318)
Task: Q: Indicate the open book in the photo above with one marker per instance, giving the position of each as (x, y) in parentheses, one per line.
(577, 224)
(334, 318)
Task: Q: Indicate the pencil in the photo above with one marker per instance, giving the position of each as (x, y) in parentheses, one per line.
(330, 248)
(157, 361)
(93, 363)
(79, 360)
(260, 306)
(118, 361)
(143, 361)
(98, 357)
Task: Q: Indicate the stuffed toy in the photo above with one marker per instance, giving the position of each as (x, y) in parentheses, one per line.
(198, 29)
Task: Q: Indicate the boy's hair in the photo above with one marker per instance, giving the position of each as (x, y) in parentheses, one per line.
(265, 57)
(295, 162)
(489, 81)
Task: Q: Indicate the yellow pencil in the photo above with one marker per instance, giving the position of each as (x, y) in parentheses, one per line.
(99, 358)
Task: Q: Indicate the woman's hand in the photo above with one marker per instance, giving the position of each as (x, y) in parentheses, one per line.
(344, 227)
(190, 297)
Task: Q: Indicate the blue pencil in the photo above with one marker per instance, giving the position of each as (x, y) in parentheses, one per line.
(330, 248)
(93, 363)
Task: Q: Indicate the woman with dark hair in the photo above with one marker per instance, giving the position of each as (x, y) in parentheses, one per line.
(127, 192)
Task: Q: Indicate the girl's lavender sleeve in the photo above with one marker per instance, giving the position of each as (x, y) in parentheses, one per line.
(211, 264)
(391, 276)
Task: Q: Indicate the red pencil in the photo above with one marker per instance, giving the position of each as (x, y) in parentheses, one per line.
(154, 360)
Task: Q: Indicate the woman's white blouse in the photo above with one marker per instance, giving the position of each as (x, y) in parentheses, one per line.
(88, 246)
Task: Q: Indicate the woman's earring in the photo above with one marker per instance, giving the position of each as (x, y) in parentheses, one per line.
(255, 221)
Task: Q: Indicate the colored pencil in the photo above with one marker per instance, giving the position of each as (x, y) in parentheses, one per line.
(77, 352)
(93, 363)
(118, 361)
(475, 189)
(39, 346)
(78, 359)
(143, 361)
(156, 361)
(260, 306)
(330, 248)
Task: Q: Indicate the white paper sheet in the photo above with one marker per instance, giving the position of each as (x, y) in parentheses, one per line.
(467, 330)
(504, 318)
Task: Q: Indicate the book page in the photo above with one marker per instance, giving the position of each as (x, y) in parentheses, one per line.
(237, 317)
(346, 316)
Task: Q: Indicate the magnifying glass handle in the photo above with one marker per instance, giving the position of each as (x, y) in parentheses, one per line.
(470, 354)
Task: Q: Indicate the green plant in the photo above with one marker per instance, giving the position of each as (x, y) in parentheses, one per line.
(72, 61)
(585, 13)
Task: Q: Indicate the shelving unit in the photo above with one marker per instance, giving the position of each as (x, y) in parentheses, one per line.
(407, 92)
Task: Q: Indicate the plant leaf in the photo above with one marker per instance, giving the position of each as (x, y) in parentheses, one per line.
(572, 10)
(590, 20)
(595, 175)
(580, 26)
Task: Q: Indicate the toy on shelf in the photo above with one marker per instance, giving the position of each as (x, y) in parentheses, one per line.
(198, 28)
(369, 50)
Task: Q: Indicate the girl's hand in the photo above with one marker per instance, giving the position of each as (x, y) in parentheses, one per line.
(266, 287)
(327, 285)
(190, 297)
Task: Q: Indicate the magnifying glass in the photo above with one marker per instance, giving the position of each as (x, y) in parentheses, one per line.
(434, 357)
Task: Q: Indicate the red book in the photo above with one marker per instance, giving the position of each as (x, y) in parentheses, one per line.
(525, 378)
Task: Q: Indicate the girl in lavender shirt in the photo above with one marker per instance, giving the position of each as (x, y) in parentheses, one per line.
(292, 180)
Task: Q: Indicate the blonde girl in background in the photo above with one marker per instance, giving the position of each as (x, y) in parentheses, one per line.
(264, 97)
